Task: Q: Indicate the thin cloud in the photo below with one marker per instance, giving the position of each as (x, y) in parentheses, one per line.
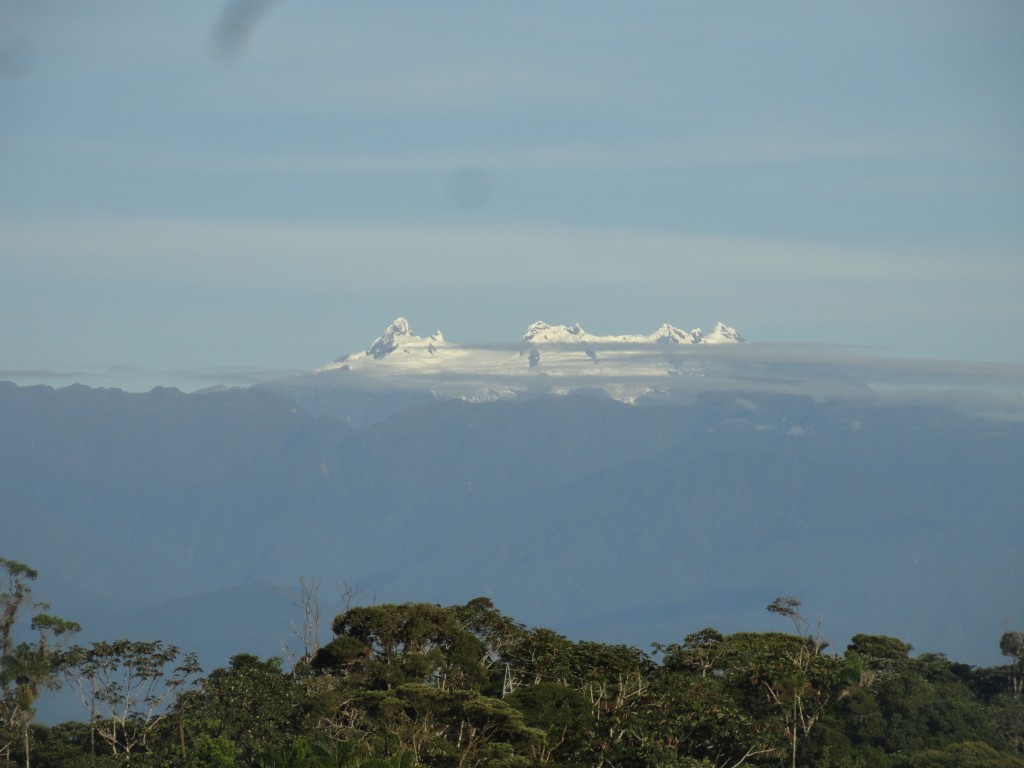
(129, 377)
(248, 252)
(41, 373)
(654, 154)
(236, 376)
(995, 390)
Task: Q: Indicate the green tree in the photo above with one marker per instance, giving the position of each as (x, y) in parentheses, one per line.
(1012, 644)
(389, 645)
(969, 754)
(411, 678)
(801, 681)
(127, 687)
(615, 679)
(534, 656)
(445, 727)
(251, 705)
(26, 667)
(68, 745)
(1006, 713)
(213, 752)
(303, 753)
(561, 713)
(925, 703)
(701, 719)
(880, 650)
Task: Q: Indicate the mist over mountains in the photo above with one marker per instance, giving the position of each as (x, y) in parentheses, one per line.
(400, 369)
(626, 507)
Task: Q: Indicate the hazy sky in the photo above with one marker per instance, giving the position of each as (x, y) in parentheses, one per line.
(192, 190)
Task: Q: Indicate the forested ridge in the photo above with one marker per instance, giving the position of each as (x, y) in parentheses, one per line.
(402, 685)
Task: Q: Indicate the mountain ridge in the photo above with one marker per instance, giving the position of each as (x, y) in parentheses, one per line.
(565, 509)
(433, 351)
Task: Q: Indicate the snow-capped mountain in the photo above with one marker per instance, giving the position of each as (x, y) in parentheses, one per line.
(398, 335)
(559, 348)
(399, 369)
(542, 333)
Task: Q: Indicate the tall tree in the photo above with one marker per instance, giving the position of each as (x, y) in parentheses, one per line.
(1012, 644)
(252, 706)
(388, 645)
(705, 709)
(803, 680)
(29, 666)
(127, 687)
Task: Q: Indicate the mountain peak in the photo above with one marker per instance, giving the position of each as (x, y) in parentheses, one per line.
(543, 333)
(388, 341)
(723, 334)
(669, 334)
(561, 346)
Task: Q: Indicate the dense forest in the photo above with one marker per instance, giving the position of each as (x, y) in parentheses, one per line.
(464, 685)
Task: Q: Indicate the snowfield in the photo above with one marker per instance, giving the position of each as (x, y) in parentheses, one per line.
(545, 350)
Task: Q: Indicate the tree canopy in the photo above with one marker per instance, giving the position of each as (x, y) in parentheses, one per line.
(462, 686)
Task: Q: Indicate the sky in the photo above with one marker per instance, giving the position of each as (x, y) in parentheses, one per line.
(197, 193)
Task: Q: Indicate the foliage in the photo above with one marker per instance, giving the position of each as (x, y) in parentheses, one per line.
(251, 705)
(464, 686)
(390, 645)
(126, 687)
(968, 754)
(26, 667)
(1012, 644)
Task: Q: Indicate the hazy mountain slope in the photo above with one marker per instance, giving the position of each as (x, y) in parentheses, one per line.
(882, 530)
(143, 495)
(894, 520)
(634, 523)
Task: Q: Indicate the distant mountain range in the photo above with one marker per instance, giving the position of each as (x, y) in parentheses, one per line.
(401, 347)
(549, 350)
(625, 517)
(399, 368)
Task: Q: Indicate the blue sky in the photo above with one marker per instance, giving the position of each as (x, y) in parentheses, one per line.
(199, 192)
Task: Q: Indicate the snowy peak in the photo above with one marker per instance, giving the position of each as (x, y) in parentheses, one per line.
(723, 334)
(669, 334)
(544, 333)
(563, 347)
(396, 336)
(390, 340)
